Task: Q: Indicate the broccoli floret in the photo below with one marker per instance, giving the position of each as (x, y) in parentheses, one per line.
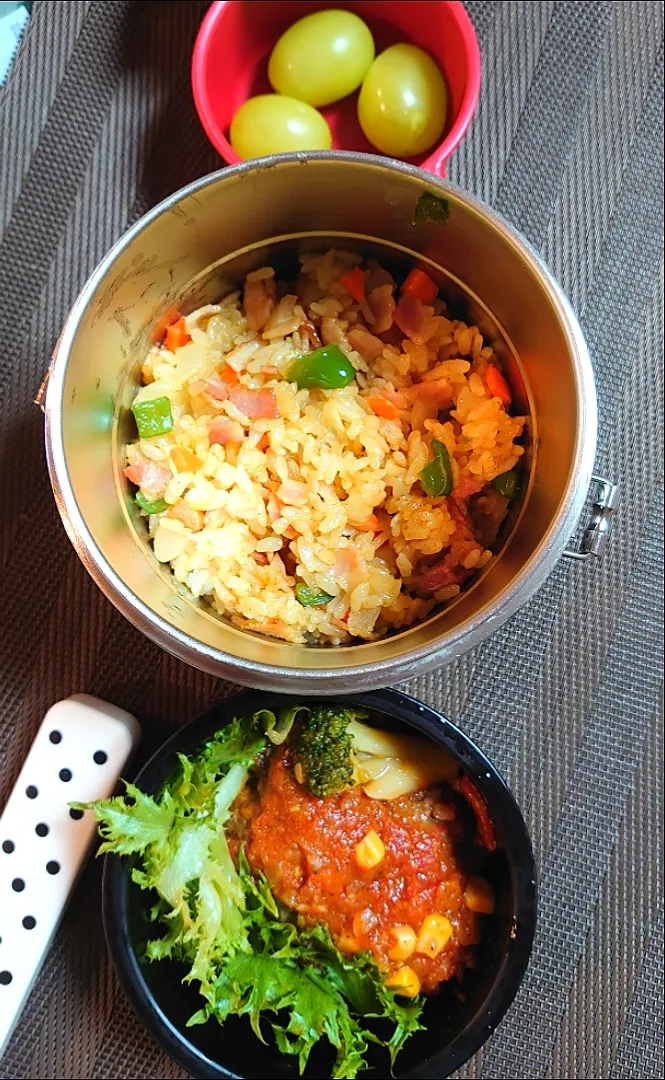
(323, 747)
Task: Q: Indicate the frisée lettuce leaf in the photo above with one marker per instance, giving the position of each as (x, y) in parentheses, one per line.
(249, 957)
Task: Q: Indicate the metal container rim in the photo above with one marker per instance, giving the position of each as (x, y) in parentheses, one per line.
(378, 672)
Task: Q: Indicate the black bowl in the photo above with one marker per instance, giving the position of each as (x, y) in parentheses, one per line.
(457, 1021)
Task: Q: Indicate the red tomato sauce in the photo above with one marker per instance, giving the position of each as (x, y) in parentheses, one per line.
(305, 847)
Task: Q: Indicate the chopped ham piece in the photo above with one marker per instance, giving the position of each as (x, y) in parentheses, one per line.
(350, 569)
(410, 316)
(382, 305)
(438, 576)
(217, 388)
(399, 398)
(293, 493)
(332, 331)
(187, 516)
(438, 394)
(368, 345)
(460, 514)
(256, 404)
(468, 485)
(259, 300)
(150, 477)
(226, 431)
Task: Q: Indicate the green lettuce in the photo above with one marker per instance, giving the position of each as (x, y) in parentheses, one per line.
(248, 955)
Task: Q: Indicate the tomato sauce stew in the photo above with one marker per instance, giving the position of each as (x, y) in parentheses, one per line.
(381, 873)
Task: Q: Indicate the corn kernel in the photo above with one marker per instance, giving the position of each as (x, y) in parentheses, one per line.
(370, 851)
(202, 496)
(479, 896)
(348, 944)
(405, 942)
(184, 460)
(404, 982)
(434, 935)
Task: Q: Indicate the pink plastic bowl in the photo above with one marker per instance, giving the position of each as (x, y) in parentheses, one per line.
(236, 38)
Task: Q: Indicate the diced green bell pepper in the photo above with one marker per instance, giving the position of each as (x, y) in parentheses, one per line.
(326, 368)
(310, 597)
(151, 506)
(507, 484)
(437, 476)
(153, 417)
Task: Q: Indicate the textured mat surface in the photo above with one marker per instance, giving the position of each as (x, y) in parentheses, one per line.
(96, 125)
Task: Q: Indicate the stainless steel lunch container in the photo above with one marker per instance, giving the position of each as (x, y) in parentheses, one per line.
(186, 251)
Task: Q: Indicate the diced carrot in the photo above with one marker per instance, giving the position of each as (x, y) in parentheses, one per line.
(497, 385)
(184, 460)
(290, 533)
(384, 408)
(419, 284)
(354, 283)
(228, 375)
(170, 316)
(264, 442)
(370, 524)
(176, 335)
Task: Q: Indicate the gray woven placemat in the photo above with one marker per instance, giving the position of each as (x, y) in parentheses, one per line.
(96, 125)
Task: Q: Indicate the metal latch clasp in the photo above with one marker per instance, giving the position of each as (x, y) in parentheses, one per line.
(596, 534)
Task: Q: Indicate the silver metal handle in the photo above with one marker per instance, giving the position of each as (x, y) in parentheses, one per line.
(596, 534)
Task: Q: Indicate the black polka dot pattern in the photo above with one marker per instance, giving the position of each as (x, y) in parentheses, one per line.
(41, 829)
(5, 978)
(31, 791)
(29, 922)
(75, 814)
(100, 757)
(53, 867)
(65, 775)
(55, 737)
(18, 884)
(7, 846)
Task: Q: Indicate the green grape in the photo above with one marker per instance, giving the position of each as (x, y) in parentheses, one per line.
(322, 58)
(402, 102)
(271, 124)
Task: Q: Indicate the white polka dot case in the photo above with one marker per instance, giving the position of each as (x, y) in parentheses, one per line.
(78, 755)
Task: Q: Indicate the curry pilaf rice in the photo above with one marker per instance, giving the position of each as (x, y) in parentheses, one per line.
(327, 459)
